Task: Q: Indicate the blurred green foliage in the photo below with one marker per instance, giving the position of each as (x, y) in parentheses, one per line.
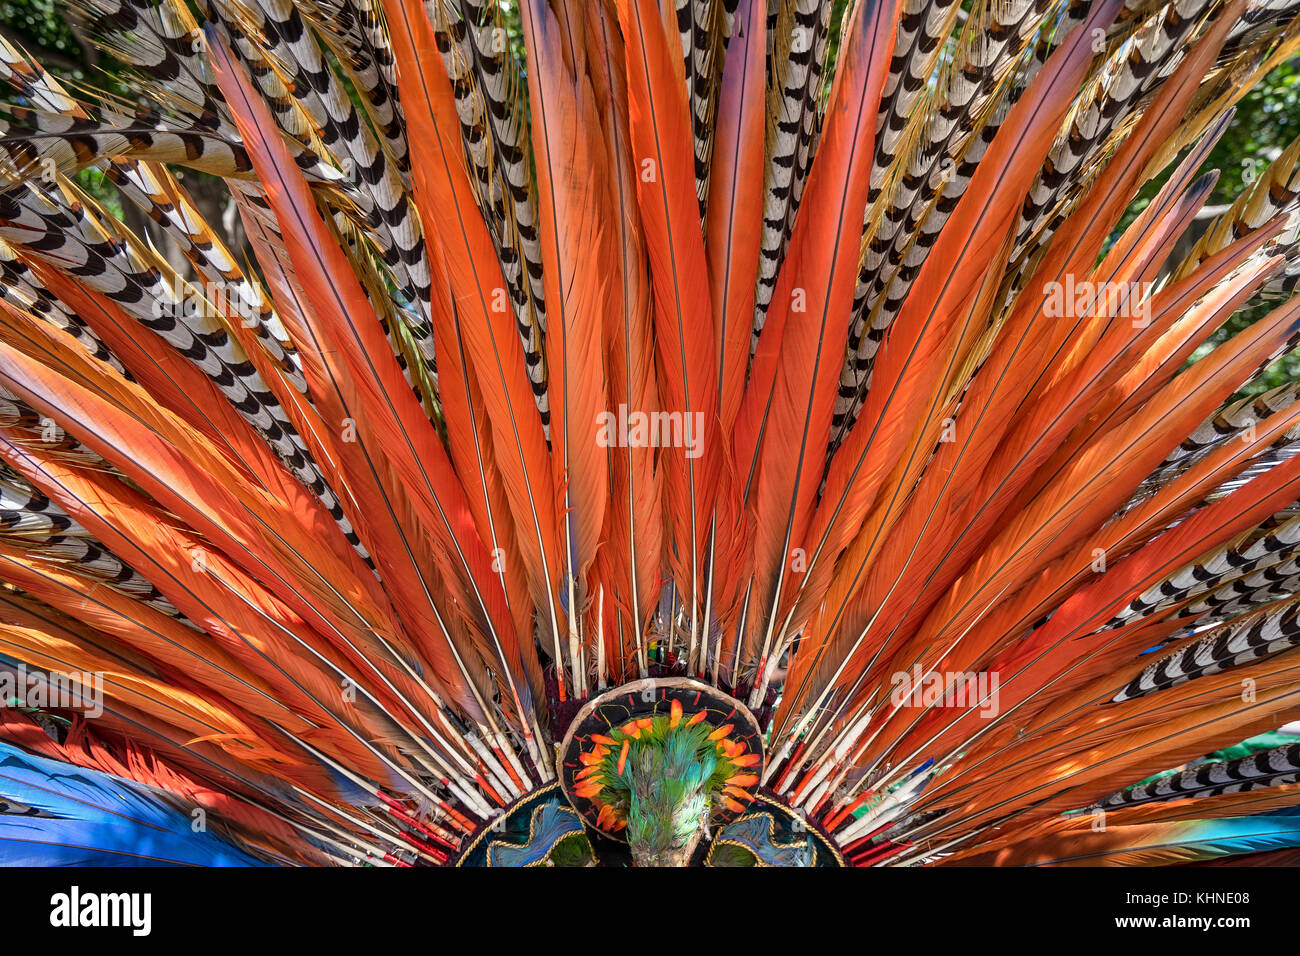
(1267, 121)
(42, 26)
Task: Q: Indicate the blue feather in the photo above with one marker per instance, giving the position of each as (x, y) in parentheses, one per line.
(96, 819)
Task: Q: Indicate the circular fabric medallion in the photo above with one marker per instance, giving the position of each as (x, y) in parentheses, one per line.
(649, 698)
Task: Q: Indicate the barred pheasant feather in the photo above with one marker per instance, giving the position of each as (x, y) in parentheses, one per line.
(694, 432)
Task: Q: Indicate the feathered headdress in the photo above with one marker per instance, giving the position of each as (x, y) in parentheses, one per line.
(718, 432)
